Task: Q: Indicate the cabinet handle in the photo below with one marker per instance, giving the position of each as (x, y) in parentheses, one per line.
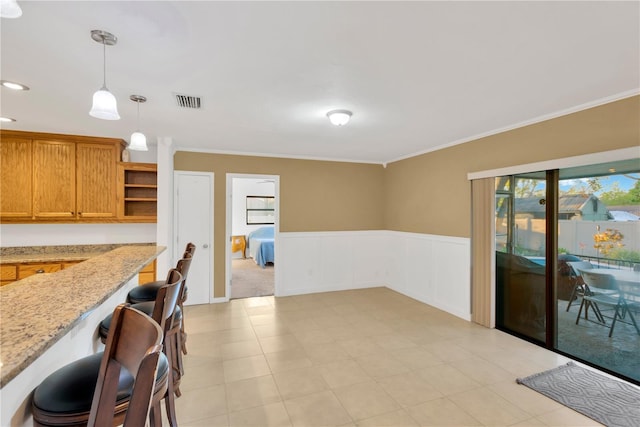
(40, 271)
(72, 212)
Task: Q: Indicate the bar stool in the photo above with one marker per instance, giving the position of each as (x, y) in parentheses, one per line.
(172, 335)
(147, 292)
(171, 330)
(96, 391)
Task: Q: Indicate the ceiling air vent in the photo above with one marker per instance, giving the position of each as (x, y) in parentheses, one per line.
(188, 101)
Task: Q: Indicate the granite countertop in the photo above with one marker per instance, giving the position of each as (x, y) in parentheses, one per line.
(17, 255)
(38, 310)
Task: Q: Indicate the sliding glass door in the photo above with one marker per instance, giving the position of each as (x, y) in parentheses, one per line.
(568, 262)
(599, 248)
(521, 255)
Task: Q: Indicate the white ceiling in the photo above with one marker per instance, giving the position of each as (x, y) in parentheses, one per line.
(417, 75)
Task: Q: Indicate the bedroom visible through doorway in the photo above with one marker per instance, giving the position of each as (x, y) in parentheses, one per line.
(252, 227)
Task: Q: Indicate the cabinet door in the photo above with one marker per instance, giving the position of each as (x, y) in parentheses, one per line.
(96, 178)
(8, 274)
(54, 179)
(16, 188)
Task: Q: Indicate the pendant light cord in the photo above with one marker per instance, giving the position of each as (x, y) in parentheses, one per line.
(104, 64)
(138, 102)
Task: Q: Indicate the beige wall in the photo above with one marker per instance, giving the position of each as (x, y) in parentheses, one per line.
(430, 193)
(314, 195)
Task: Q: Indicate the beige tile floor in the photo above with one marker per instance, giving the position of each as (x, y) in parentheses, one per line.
(368, 357)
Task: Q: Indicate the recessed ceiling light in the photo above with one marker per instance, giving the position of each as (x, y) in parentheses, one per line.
(612, 170)
(7, 119)
(339, 117)
(13, 85)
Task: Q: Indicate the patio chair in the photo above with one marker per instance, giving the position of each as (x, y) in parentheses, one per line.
(578, 283)
(602, 289)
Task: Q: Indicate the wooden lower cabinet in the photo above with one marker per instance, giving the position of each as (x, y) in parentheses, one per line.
(13, 272)
(26, 270)
(8, 274)
(147, 274)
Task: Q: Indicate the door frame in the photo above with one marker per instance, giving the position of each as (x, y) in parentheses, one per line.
(177, 251)
(228, 232)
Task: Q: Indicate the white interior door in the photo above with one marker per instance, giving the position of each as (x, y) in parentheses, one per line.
(193, 200)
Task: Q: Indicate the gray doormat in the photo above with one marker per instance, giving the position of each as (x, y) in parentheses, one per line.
(609, 401)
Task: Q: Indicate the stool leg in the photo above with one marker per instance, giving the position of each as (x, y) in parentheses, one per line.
(169, 399)
(183, 334)
(176, 362)
(155, 415)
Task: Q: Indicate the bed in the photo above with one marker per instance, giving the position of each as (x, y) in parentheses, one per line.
(261, 245)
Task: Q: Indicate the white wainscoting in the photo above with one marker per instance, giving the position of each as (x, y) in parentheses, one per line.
(432, 269)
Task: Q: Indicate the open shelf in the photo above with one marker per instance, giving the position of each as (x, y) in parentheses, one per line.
(138, 190)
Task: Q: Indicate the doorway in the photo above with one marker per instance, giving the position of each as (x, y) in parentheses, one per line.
(252, 228)
(193, 222)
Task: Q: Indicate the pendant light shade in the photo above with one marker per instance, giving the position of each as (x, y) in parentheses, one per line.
(104, 103)
(138, 141)
(10, 9)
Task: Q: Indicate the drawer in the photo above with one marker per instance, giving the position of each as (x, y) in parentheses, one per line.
(26, 270)
(8, 272)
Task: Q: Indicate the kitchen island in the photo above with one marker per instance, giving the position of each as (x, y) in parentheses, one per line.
(50, 320)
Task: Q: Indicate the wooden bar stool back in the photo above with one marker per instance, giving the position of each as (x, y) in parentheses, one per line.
(164, 311)
(133, 343)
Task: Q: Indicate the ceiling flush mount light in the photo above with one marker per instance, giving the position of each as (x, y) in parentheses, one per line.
(339, 117)
(10, 9)
(13, 85)
(104, 103)
(138, 140)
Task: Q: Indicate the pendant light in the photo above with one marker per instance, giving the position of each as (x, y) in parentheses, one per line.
(138, 140)
(104, 103)
(10, 9)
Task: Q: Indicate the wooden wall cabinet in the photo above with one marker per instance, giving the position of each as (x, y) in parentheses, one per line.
(16, 189)
(58, 178)
(54, 183)
(96, 178)
(138, 192)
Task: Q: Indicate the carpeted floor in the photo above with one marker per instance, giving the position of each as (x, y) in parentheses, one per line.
(250, 280)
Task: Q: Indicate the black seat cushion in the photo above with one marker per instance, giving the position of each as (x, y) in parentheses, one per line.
(146, 292)
(145, 307)
(70, 389)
